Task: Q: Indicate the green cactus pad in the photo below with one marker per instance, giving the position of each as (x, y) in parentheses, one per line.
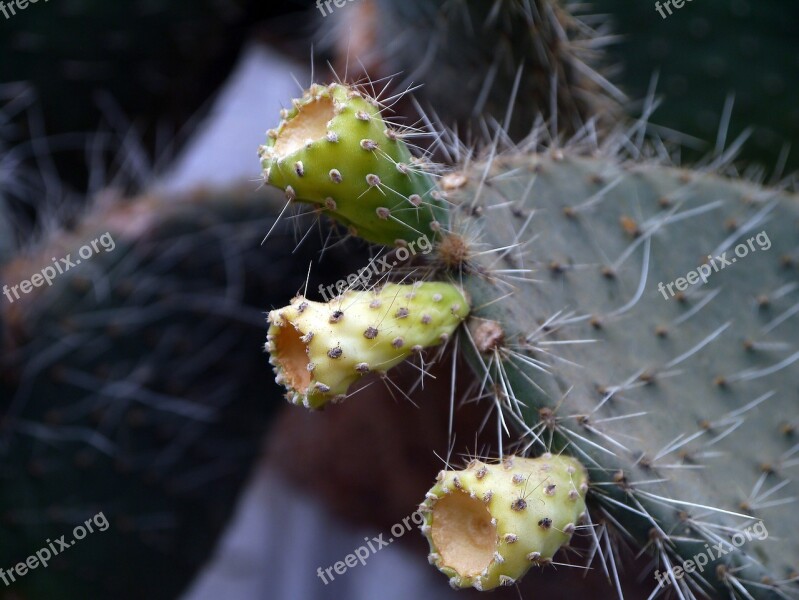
(319, 349)
(680, 394)
(488, 524)
(334, 149)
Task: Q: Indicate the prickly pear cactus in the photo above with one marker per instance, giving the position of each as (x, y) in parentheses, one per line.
(520, 60)
(320, 349)
(639, 318)
(335, 149)
(489, 523)
(656, 392)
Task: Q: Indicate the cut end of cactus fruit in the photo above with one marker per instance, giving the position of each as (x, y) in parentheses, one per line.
(310, 123)
(292, 355)
(464, 534)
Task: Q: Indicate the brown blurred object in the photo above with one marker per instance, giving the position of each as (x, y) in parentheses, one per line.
(355, 43)
(373, 457)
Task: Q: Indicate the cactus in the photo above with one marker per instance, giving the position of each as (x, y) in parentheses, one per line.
(488, 524)
(334, 149)
(595, 339)
(680, 406)
(511, 61)
(133, 386)
(320, 349)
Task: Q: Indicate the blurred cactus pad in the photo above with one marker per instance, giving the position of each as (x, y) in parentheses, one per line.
(706, 52)
(587, 59)
(133, 386)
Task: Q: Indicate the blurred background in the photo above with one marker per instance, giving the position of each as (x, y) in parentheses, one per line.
(136, 385)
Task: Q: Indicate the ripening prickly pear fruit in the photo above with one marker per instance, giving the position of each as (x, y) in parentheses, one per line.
(319, 349)
(334, 149)
(488, 524)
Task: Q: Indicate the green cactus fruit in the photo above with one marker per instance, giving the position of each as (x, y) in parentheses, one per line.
(488, 524)
(335, 150)
(319, 349)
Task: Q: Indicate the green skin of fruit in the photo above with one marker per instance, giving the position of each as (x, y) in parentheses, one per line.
(319, 349)
(334, 149)
(514, 515)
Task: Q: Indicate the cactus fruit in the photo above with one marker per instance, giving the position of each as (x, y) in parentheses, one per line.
(488, 524)
(334, 149)
(319, 349)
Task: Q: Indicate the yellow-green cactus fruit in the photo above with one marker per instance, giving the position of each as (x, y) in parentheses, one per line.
(319, 349)
(489, 523)
(334, 149)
